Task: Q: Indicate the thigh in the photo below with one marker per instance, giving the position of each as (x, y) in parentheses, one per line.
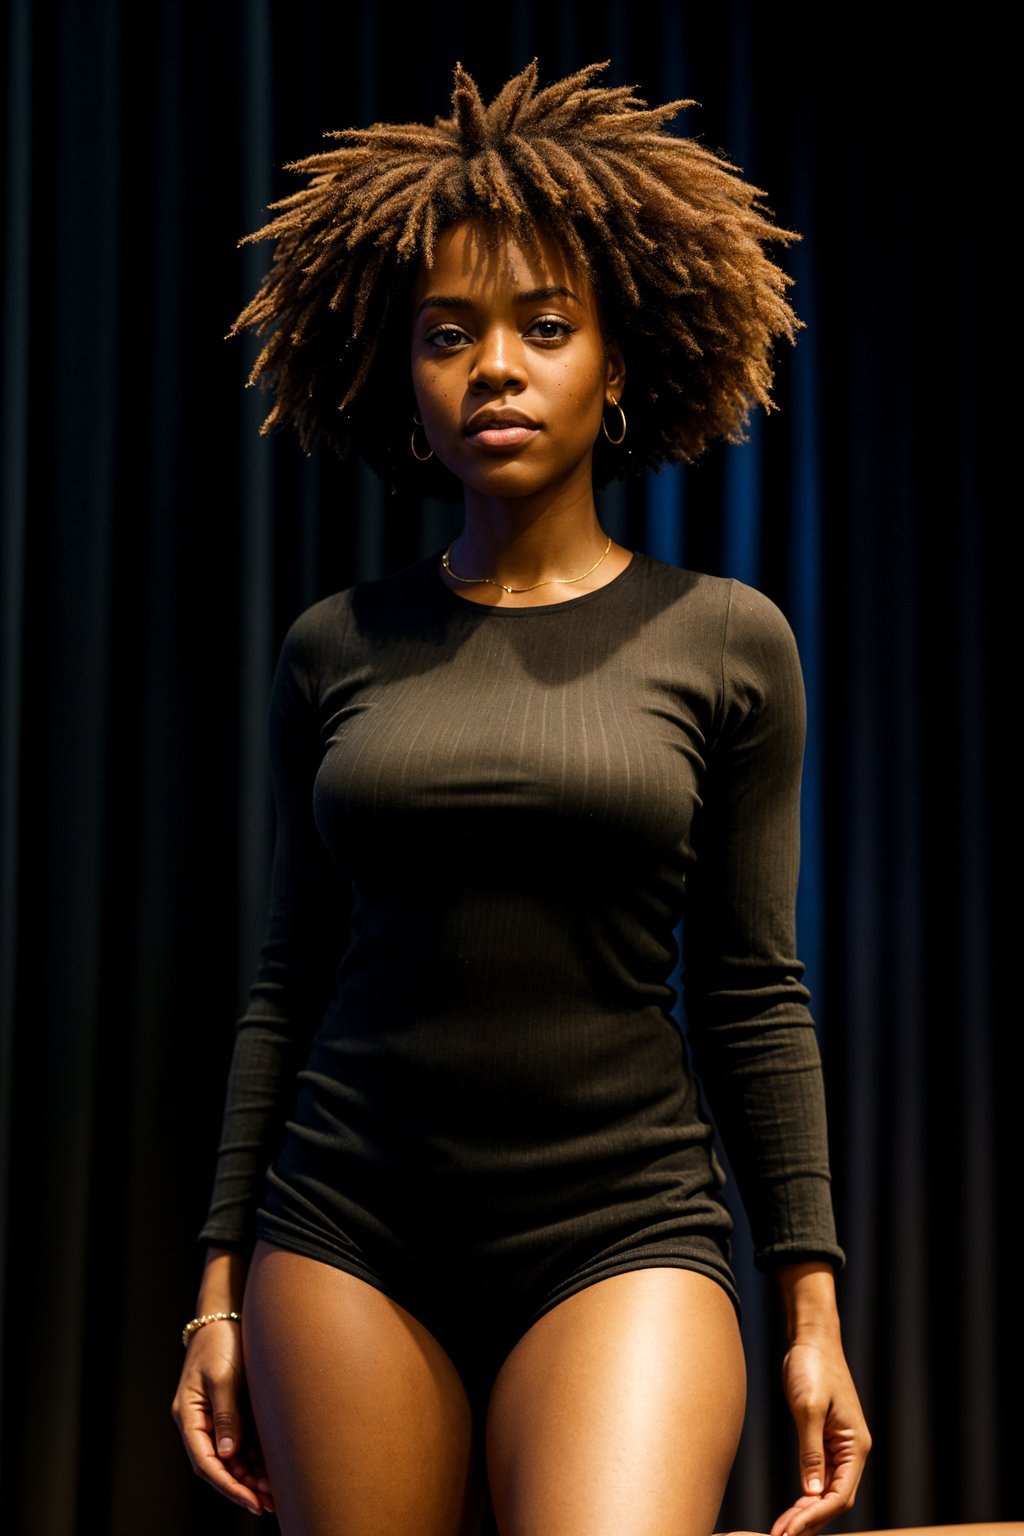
(363, 1420)
(619, 1412)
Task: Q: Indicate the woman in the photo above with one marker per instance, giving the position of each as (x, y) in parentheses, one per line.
(491, 1245)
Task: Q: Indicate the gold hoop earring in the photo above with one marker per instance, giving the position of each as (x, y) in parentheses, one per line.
(615, 441)
(420, 457)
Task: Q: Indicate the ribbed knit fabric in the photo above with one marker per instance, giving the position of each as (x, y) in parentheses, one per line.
(489, 822)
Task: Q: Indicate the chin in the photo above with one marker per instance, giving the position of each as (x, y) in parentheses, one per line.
(517, 478)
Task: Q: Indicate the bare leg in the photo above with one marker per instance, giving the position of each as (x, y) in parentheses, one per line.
(620, 1412)
(363, 1420)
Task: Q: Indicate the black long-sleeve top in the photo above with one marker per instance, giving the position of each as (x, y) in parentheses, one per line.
(489, 824)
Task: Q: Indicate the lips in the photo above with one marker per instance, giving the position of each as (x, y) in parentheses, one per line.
(496, 428)
(497, 418)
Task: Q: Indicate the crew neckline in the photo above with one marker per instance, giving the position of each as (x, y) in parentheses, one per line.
(506, 611)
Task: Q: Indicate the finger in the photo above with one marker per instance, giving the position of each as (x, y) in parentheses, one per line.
(256, 1481)
(812, 1513)
(208, 1465)
(226, 1419)
(234, 1439)
(808, 1521)
(245, 1464)
(234, 1478)
(787, 1523)
(811, 1430)
(248, 1468)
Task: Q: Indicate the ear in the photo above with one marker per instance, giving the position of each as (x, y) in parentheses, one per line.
(615, 372)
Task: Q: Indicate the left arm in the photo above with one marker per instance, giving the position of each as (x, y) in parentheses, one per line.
(752, 1035)
(834, 1437)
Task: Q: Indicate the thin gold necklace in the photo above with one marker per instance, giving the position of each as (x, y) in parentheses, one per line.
(494, 582)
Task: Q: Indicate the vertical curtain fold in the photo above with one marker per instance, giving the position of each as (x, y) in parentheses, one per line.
(17, 291)
(257, 507)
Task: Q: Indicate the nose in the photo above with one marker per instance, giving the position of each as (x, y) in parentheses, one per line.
(498, 362)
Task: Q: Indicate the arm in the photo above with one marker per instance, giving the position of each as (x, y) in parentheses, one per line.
(833, 1434)
(752, 1035)
(306, 931)
(210, 1406)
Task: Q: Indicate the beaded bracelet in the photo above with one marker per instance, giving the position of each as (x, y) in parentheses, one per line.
(207, 1317)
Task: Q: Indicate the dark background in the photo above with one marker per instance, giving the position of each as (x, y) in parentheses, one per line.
(155, 548)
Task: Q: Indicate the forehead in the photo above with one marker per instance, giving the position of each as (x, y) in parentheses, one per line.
(487, 262)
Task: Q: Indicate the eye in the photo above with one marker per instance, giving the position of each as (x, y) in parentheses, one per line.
(548, 328)
(445, 337)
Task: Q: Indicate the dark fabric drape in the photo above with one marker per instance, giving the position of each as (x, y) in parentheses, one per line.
(154, 548)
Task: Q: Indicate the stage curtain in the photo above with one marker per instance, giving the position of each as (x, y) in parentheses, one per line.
(155, 547)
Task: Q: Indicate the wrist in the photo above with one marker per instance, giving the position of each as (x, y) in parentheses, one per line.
(808, 1295)
(205, 1320)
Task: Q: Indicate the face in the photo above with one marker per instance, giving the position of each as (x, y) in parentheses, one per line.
(510, 368)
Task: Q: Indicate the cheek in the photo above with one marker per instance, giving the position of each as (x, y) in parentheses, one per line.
(430, 391)
(439, 405)
(584, 387)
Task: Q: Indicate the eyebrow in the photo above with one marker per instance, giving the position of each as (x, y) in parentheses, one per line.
(530, 296)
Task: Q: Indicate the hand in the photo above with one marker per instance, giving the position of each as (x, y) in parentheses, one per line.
(834, 1437)
(211, 1400)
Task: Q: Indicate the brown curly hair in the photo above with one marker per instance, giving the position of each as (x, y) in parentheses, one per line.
(670, 235)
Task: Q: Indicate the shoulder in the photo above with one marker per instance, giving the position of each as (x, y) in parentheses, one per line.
(674, 584)
(319, 622)
(737, 623)
(753, 613)
(332, 626)
(758, 635)
(762, 678)
(738, 640)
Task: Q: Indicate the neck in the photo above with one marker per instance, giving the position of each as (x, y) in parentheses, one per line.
(524, 541)
(550, 544)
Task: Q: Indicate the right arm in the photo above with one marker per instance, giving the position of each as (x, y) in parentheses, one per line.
(306, 932)
(210, 1407)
